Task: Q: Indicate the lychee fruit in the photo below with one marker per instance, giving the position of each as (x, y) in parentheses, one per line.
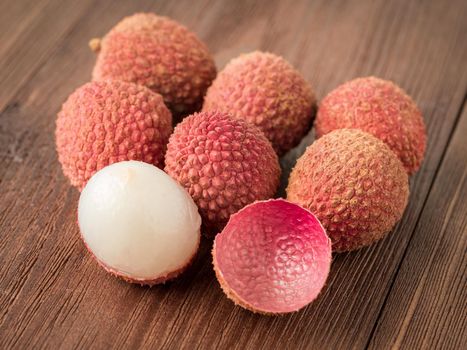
(265, 90)
(138, 222)
(160, 54)
(354, 184)
(106, 122)
(273, 257)
(224, 163)
(381, 108)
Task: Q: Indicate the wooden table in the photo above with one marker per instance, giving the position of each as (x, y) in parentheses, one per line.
(409, 290)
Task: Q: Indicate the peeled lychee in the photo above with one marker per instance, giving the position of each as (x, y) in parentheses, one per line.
(354, 184)
(272, 257)
(138, 222)
(265, 90)
(159, 53)
(106, 122)
(224, 164)
(381, 108)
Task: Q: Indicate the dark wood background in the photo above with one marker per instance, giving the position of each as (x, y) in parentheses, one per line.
(409, 290)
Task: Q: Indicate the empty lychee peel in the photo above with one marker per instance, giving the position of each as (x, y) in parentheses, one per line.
(228, 283)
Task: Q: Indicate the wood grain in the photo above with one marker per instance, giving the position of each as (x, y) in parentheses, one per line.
(427, 303)
(34, 40)
(52, 293)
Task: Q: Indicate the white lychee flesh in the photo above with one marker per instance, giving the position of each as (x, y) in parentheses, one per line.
(138, 222)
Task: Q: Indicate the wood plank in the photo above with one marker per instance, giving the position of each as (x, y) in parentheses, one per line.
(54, 295)
(28, 155)
(427, 306)
(30, 34)
(15, 17)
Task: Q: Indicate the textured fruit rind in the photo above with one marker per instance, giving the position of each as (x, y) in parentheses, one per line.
(161, 54)
(144, 282)
(265, 90)
(272, 257)
(381, 108)
(107, 122)
(224, 164)
(354, 184)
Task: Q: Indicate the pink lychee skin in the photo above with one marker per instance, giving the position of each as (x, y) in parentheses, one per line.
(273, 257)
(380, 108)
(102, 123)
(161, 54)
(224, 164)
(170, 275)
(265, 90)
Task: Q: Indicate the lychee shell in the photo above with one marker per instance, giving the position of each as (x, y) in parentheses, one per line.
(273, 257)
(223, 163)
(265, 90)
(354, 184)
(380, 108)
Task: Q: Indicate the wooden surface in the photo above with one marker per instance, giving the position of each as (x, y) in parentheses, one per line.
(409, 290)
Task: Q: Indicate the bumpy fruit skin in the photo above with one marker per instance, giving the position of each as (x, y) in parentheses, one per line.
(380, 108)
(272, 257)
(354, 184)
(102, 123)
(158, 53)
(224, 164)
(265, 90)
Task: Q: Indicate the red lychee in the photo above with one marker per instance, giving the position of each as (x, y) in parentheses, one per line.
(380, 108)
(354, 184)
(159, 53)
(107, 122)
(224, 163)
(265, 90)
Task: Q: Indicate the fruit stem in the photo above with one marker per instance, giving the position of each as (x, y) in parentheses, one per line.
(95, 44)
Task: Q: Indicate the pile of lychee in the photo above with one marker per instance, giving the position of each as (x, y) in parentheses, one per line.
(148, 191)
